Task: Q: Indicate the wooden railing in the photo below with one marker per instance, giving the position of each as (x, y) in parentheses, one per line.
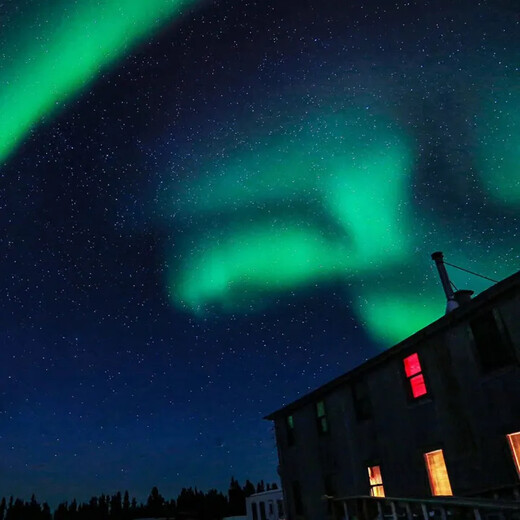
(434, 508)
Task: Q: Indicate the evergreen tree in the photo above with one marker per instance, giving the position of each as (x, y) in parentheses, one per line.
(9, 509)
(249, 488)
(46, 512)
(126, 505)
(237, 499)
(116, 507)
(61, 512)
(73, 510)
(3, 507)
(103, 507)
(155, 503)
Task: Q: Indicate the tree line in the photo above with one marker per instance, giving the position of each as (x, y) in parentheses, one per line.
(190, 504)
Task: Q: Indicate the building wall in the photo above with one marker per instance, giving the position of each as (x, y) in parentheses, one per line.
(467, 413)
(269, 510)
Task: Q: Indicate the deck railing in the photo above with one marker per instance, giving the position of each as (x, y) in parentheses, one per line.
(434, 508)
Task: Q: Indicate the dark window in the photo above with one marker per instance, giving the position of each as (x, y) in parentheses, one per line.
(255, 510)
(415, 376)
(262, 511)
(297, 497)
(321, 417)
(279, 503)
(491, 342)
(271, 509)
(289, 427)
(362, 403)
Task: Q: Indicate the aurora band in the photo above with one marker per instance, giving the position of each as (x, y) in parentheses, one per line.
(51, 50)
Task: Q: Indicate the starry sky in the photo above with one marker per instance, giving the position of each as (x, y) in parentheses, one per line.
(209, 208)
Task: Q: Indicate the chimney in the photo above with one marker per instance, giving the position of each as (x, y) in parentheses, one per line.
(452, 303)
(463, 296)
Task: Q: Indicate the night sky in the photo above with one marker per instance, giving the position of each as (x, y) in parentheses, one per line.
(209, 208)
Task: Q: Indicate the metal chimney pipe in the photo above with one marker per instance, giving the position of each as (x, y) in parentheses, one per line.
(438, 258)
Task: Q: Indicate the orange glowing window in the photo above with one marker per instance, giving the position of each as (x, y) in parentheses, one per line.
(437, 473)
(376, 481)
(413, 371)
(514, 444)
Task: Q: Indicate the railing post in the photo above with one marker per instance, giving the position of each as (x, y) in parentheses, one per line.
(379, 511)
(425, 511)
(394, 511)
(476, 512)
(408, 511)
(345, 510)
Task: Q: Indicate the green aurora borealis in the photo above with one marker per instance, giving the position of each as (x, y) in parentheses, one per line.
(326, 197)
(53, 50)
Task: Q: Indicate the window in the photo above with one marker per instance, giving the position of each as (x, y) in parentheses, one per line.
(362, 403)
(279, 504)
(254, 509)
(376, 481)
(262, 511)
(514, 444)
(323, 425)
(297, 497)
(491, 342)
(271, 508)
(289, 427)
(437, 473)
(413, 371)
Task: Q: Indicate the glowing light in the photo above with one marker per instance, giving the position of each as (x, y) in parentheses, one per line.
(298, 212)
(55, 49)
(514, 445)
(437, 473)
(376, 481)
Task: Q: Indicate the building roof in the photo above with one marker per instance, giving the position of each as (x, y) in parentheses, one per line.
(276, 491)
(507, 285)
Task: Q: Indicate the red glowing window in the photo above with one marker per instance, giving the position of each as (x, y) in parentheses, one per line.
(413, 371)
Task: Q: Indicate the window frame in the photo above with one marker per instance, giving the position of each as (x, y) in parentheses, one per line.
(263, 514)
(289, 430)
(361, 400)
(515, 455)
(296, 489)
(408, 380)
(322, 419)
(430, 451)
(504, 337)
(372, 486)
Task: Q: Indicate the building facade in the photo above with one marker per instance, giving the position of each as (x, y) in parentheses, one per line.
(267, 505)
(437, 414)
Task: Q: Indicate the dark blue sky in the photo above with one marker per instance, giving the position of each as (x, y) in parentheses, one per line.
(104, 384)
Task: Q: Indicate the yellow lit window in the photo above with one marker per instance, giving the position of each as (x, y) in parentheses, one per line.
(437, 473)
(514, 444)
(376, 481)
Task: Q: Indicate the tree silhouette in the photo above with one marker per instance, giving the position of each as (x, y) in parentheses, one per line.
(249, 488)
(237, 499)
(155, 503)
(191, 503)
